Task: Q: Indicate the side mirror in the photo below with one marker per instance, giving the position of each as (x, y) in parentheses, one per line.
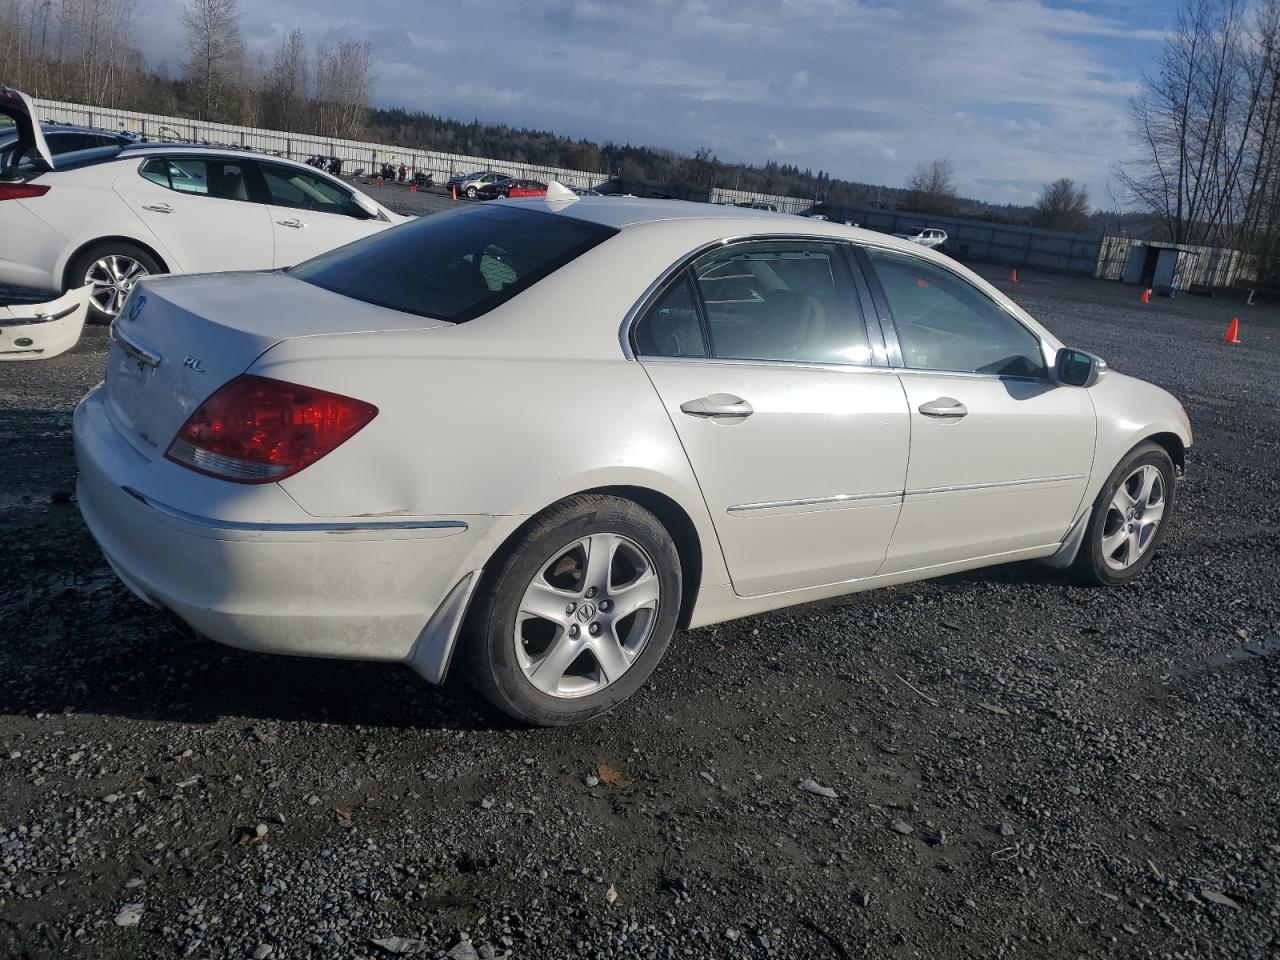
(1075, 368)
(367, 205)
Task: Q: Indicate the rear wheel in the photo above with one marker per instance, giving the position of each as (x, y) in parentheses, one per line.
(471, 193)
(578, 612)
(1129, 519)
(112, 268)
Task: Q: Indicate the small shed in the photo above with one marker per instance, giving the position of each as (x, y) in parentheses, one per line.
(1167, 267)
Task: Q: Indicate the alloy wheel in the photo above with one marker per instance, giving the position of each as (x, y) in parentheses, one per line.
(587, 615)
(1133, 517)
(112, 278)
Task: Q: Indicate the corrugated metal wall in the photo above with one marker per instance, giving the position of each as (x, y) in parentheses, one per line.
(1213, 267)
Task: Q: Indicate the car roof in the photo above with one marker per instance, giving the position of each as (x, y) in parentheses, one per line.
(625, 213)
(77, 159)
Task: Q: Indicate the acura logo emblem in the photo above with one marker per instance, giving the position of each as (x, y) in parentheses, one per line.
(586, 611)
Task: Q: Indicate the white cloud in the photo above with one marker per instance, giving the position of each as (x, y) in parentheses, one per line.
(1015, 92)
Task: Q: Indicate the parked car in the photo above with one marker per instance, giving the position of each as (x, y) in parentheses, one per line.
(468, 184)
(64, 138)
(111, 215)
(927, 237)
(511, 187)
(586, 192)
(758, 205)
(576, 425)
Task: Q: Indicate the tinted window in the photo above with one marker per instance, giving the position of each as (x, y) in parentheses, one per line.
(454, 266)
(297, 189)
(946, 323)
(782, 300)
(671, 327)
(216, 177)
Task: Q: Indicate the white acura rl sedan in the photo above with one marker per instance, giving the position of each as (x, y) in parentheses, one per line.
(537, 437)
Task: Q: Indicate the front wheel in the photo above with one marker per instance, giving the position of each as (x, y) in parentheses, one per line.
(471, 193)
(1129, 518)
(577, 613)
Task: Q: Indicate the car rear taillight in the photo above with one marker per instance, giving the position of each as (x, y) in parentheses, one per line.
(22, 191)
(257, 430)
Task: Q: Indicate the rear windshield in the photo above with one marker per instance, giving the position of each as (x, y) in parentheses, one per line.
(454, 266)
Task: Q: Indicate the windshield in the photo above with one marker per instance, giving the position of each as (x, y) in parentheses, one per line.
(454, 266)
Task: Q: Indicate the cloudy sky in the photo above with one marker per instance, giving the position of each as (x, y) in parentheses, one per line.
(1014, 92)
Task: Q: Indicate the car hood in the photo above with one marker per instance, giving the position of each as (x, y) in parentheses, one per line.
(17, 106)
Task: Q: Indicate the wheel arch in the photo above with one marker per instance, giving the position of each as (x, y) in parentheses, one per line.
(89, 244)
(1173, 445)
(674, 517)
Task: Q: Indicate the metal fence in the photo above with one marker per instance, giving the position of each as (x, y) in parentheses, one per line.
(977, 240)
(355, 154)
(796, 205)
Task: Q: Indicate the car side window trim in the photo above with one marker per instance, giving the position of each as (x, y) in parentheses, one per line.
(658, 288)
(889, 325)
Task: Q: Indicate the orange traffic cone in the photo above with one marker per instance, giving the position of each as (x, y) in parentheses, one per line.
(1233, 331)
(453, 192)
(413, 188)
(1013, 277)
(1146, 295)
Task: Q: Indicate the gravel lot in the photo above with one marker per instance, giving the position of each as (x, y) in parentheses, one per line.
(1081, 772)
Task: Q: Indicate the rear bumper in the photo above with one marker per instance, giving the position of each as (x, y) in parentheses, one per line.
(354, 588)
(38, 331)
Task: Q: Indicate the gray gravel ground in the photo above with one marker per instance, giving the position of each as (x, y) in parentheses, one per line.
(1098, 775)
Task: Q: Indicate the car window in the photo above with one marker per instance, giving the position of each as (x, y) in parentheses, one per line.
(217, 177)
(781, 300)
(671, 327)
(946, 323)
(294, 188)
(454, 266)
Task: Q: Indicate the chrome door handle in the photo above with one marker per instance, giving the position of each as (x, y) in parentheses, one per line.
(158, 207)
(945, 408)
(295, 223)
(718, 406)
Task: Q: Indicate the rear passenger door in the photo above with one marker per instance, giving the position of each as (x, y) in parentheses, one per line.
(767, 368)
(202, 211)
(311, 214)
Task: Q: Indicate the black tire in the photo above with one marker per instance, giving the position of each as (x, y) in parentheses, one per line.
(79, 267)
(1090, 566)
(471, 193)
(489, 637)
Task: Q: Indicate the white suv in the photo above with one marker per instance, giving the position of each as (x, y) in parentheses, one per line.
(926, 237)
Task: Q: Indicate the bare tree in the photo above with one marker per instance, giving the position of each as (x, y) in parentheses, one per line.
(931, 187)
(343, 88)
(284, 84)
(1063, 206)
(1195, 121)
(215, 56)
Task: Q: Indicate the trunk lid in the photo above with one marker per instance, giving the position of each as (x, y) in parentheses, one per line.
(179, 339)
(17, 106)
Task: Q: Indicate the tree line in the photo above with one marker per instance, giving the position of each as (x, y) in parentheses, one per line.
(84, 51)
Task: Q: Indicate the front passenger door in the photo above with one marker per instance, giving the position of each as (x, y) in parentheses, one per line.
(763, 360)
(1000, 453)
(311, 214)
